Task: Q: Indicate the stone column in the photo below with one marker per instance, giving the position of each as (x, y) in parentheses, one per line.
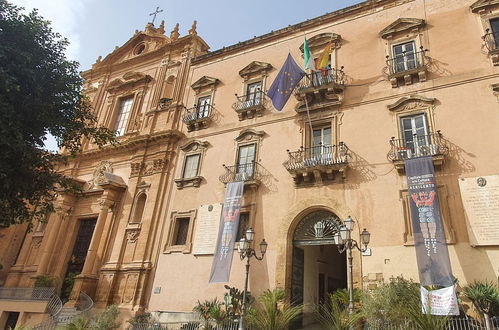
(105, 203)
(53, 235)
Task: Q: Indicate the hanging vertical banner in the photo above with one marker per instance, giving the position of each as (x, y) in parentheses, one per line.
(229, 223)
(429, 237)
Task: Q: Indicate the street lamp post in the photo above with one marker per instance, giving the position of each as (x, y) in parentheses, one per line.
(246, 251)
(345, 242)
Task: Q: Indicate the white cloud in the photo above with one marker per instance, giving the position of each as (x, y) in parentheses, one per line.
(65, 15)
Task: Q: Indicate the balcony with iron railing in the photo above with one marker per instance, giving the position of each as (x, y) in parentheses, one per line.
(250, 173)
(317, 164)
(320, 89)
(250, 105)
(198, 117)
(491, 44)
(407, 66)
(432, 144)
(37, 300)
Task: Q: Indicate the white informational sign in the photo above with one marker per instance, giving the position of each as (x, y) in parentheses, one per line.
(206, 232)
(480, 197)
(440, 302)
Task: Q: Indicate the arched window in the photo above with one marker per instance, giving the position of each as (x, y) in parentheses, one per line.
(140, 203)
(169, 85)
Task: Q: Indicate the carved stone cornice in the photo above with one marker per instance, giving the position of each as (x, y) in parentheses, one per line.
(480, 5)
(134, 143)
(189, 182)
(319, 41)
(194, 145)
(129, 80)
(248, 134)
(255, 68)
(411, 102)
(205, 82)
(148, 168)
(402, 25)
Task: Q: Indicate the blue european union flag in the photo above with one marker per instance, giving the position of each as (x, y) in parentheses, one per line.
(283, 85)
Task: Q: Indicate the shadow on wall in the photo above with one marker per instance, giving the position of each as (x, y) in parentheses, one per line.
(359, 171)
(458, 157)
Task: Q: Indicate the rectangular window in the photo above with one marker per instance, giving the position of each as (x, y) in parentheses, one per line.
(123, 114)
(416, 139)
(494, 25)
(404, 57)
(203, 106)
(181, 231)
(245, 162)
(243, 225)
(191, 166)
(254, 93)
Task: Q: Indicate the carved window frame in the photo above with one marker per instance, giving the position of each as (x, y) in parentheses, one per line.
(174, 223)
(332, 121)
(486, 14)
(247, 137)
(318, 42)
(445, 216)
(412, 106)
(194, 147)
(138, 97)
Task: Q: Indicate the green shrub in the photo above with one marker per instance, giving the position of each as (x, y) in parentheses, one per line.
(273, 311)
(334, 314)
(107, 320)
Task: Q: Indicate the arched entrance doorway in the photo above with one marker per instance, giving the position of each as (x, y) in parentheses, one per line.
(318, 269)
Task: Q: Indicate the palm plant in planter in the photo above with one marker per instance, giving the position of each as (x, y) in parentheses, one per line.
(334, 314)
(485, 298)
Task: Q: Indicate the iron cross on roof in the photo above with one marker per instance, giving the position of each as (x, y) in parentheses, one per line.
(157, 11)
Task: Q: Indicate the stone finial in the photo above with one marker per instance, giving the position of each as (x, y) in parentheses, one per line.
(150, 28)
(174, 34)
(193, 31)
(99, 59)
(161, 29)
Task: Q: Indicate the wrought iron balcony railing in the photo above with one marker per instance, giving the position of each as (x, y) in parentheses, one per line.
(198, 116)
(321, 155)
(322, 79)
(242, 172)
(26, 293)
(251, 100)
(491, 40)
(406, 62)
(421, 145)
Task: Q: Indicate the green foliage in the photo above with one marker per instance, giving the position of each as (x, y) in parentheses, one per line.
(138, 320)
(422, 321)
(20, 327)
(40, 93)
(343, 297)
(46, 281)
(334, 314)
(79, 323)
(68, 283)
(390, 303)
(484, 295)
(107, 320)
(233, 301)
(273, 311)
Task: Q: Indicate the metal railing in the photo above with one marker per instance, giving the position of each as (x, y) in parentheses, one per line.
(248, 101)
(197, 112)
(461, 323)
(491, 40)
(421, 145)
(55, 305)
(26, 293)
(407, 61)
(324, 77)
(242, 172)
(193, 325)
(321, 155)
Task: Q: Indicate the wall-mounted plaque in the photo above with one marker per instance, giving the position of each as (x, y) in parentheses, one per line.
(481, 203)
(205, 235)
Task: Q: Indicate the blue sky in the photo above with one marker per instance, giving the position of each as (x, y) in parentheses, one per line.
(95, 27)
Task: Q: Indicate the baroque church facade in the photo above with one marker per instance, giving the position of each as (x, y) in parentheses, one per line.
(406, 78)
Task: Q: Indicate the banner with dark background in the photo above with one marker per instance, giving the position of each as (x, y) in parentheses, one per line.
(429, 237)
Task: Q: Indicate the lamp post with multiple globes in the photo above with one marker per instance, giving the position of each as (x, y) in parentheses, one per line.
(246, 252)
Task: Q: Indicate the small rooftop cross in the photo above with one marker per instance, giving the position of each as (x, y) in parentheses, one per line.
(157, 11)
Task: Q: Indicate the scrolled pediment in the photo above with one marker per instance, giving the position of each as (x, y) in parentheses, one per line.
(411, 102)
(205, 82)
(129, 79)
(249, 134)
(255, 67)
(194, 145)
(402, 25)
(482, 5)
(319, 41)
